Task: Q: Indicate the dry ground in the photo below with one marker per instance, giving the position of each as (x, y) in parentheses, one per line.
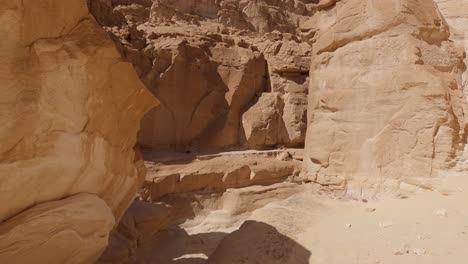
(428, 226)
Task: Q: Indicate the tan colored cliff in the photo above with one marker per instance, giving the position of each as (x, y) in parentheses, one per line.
(386, 97)
(70, 110)
(211, 63)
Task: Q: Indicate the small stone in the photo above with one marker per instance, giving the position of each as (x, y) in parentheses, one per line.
(403, 250)
(442, 212)
(419, 251)
(347, 226)
(423, 237)
(370, 210)
(402, 196)
(385, 224)
(284, 156)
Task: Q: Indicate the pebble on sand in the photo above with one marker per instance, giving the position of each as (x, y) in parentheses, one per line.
(405, 249)
(442, 212)
(419, 251)
(385, 224)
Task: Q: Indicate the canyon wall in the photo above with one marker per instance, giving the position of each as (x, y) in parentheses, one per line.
(70, 110)
(379, 85)
(455, 13)
(229, 74)
(386, 98)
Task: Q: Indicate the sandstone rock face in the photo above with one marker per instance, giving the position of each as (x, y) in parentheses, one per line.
(72, 230)
(139, 224)
(208, 62)
(216, 173)
(150, 232)
(455, 13)
(386, 96)
(70, 112)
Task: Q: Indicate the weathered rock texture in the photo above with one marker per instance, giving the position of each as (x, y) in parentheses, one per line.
(386, 96)
(216, 173)
(72, 230)
(70, 110)
(150, 232)
(211, 63)
(456, 15)
(138, 225)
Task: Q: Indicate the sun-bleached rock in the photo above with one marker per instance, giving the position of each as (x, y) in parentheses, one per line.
(72, 230)
(455, 13)
(218, 172)
(385, 97)
(262, 122)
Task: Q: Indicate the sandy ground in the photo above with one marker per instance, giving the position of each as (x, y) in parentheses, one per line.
(429, 226)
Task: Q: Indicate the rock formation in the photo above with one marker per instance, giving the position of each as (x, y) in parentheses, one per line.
(72, 230)
(216, 173)
(455, 13)
(380, 87)
(211, 64)
(270, 247)
(386, 97)
(70, 112)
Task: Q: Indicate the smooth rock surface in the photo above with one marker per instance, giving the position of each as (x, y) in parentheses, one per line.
(216, 173)
(73, 230)
(70, 110)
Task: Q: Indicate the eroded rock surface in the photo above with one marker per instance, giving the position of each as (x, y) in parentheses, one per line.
(72, 230)
(386, 106)
(138, 225)
(208, 62)
(216, 173)
(385, 99)
(70, 110)
(455, 13)
(187, 228)
(386, 95)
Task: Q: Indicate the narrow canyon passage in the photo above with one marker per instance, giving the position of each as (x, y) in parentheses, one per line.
(292, 223)
(231, 176)
(228, 179)
(233, 131)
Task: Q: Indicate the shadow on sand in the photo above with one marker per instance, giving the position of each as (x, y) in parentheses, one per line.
(253, 243)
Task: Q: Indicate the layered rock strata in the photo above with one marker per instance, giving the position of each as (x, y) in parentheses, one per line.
(216, 173)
